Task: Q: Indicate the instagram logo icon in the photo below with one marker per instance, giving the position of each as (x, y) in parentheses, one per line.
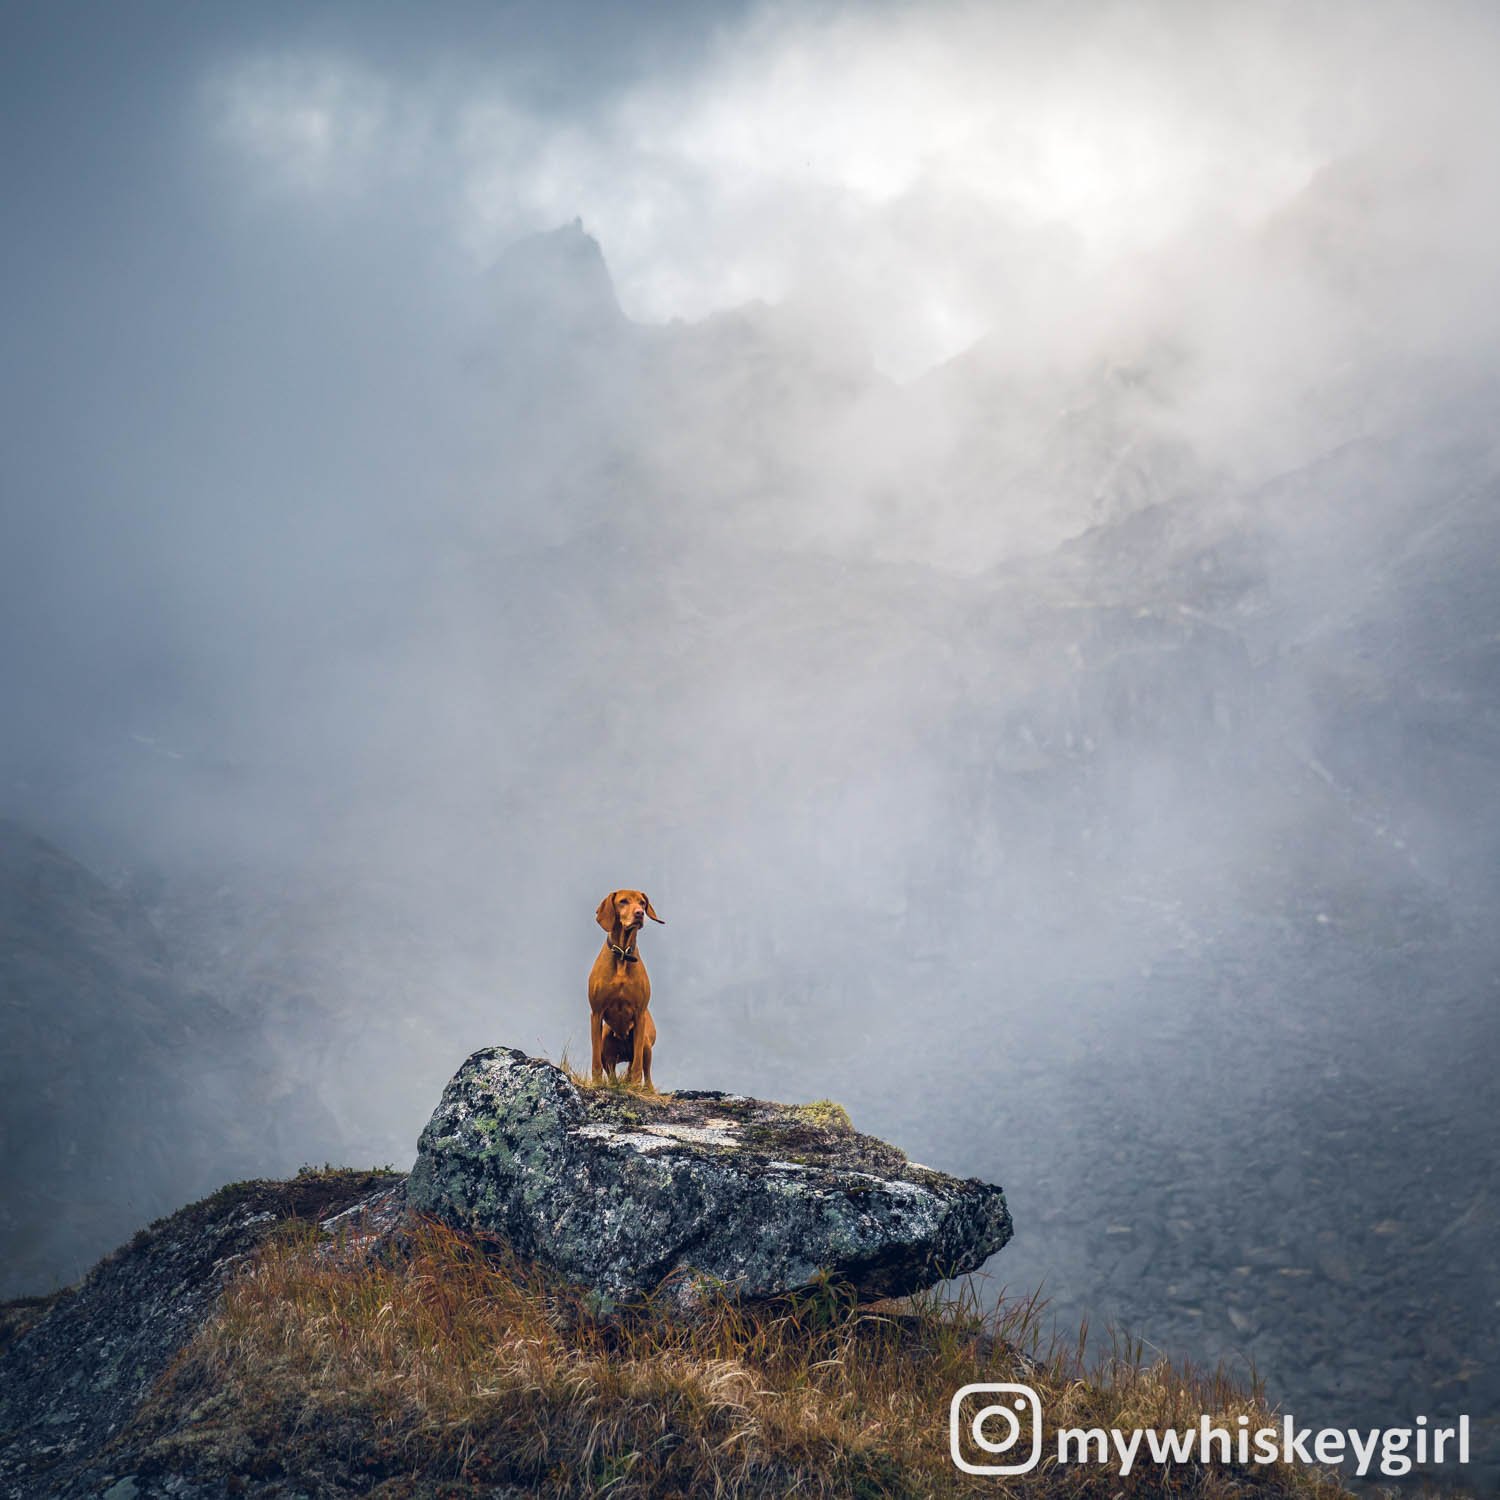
(994, 1420)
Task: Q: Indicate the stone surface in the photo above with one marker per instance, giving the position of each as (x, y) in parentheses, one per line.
(623, 1191)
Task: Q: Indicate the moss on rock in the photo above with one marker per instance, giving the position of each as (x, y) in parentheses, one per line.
(620, 1191)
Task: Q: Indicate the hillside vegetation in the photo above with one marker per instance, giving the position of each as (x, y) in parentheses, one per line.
(454, 1370)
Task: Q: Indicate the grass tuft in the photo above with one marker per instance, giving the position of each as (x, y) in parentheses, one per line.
(618, 1084)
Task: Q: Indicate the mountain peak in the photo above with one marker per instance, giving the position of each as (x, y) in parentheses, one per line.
(558, 277)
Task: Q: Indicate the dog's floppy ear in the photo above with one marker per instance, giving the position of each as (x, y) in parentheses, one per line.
(605, 916)
(651, 910)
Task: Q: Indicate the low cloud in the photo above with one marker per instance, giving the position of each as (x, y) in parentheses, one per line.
(938, 174)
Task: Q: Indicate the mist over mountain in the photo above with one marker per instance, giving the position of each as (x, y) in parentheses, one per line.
(124, 1087)
(1077, 754)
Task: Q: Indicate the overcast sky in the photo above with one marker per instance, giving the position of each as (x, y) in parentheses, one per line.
(934, 171)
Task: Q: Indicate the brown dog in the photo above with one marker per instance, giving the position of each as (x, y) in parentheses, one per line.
(620, 991)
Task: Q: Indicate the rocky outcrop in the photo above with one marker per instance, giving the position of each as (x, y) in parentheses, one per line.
(615, 1190)
(75, 1368)
(626, 1192)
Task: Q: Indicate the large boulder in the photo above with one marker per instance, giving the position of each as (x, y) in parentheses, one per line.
(622, 1191)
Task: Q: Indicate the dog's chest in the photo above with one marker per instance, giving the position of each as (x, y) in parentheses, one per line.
(619, 992)
(621, 1012)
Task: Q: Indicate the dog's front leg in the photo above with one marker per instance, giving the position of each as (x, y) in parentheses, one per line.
(638, 1050)
(596, 1031)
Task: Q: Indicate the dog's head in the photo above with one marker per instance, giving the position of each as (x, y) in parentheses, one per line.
(626, 910)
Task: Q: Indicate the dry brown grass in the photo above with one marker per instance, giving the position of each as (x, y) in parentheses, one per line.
(454, 1371)
(619, 1084)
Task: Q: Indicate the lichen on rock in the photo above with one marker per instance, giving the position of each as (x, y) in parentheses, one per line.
(624, 1193)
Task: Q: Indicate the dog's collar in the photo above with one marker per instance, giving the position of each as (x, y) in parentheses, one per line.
(623, 956)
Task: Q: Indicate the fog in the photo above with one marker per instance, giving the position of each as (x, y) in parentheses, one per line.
(985, 512)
